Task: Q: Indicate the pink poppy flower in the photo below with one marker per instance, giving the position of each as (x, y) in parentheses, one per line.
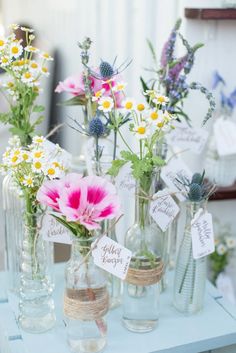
(89, 202)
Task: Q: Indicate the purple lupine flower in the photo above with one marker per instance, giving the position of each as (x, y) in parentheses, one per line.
(175, 70)
(167, 54)
(216, 79)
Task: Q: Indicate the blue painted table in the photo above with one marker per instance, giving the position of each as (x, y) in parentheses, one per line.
(208, 331)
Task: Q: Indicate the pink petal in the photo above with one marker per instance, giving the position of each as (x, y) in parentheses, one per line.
(49, 193)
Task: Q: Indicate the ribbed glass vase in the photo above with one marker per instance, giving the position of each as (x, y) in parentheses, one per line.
(86, 300)
(190, 274)
(36, 306)
(142, 286)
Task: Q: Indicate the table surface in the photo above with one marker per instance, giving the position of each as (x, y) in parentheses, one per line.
(212, 328)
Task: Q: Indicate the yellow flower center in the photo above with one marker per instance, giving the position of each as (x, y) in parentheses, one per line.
(154, 115)
(25, 156)
(37, 165)
(28, 75)
(15, 50)
(39, 140)
(120, 87)
(10, 84)
(128, 105)
(4, 60)
(46, 55)
(44, 69)
(17, 152)
(14, 159)
(160, 125)
(161, 99)
(51, 171)
(56, 164)
(98, 94)
(106, 104)
(34, 66)
(29, 181)
(2, 43)
(38, 154)
(140, 107)
(141, 130)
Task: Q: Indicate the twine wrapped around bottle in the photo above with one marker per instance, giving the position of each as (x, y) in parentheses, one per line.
(86, 304)
(145, 276)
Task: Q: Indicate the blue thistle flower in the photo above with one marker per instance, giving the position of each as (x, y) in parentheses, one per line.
(195, 192)
(96, 127)
(196, 179)
(106, 70)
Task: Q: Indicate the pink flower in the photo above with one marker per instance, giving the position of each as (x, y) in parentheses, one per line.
(90, 202)
(71, 85)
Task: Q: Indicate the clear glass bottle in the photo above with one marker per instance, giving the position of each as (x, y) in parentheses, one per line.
(36, 306)
(142, 286)
(190, 274)
(86, 300)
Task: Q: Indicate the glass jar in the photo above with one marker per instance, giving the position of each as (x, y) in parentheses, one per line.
(36, 306)
(86, 299)
(142, 286)
(190, 274)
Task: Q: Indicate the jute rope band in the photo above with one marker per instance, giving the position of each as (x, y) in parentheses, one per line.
(86, 304)
(145, 276)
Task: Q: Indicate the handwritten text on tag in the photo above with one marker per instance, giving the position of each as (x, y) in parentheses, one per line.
(125, 180)
(54, 231)
(163, 209)
(112, 257)
(202, 236)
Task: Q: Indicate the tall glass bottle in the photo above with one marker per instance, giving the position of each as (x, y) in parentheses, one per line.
(142, 286)
(86, 300)
(36, 306)
(190, 274)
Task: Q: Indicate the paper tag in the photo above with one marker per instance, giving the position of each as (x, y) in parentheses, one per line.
(125, 180)
(112, 257)
(163, 209)
(225, 287)
(54, 231)
(225, 137)
(202, 235)
(174, 169)
(186, 137)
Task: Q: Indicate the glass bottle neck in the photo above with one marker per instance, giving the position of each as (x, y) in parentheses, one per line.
(193, 207)
(81, 247)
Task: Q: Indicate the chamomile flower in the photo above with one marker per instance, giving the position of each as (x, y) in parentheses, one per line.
(221, 249)
(25, 155)
(2, 43)
(5, 61)
(52, 172)
(28, 181)
(129, 104)
(46, 56)
(27, 77)
(230, 242)
(6, 156)
(37, 154)
(105, 104)
(155, 116)
(160, 99)
(15, 159)
(140, 107)
(37, 166)
(16, 49)
(150, 92)
(33, 65)
(119, 86)
(31, 49)
(44, 71)
(141, 130)
(98, 95)
(38, 140)
(14, 141)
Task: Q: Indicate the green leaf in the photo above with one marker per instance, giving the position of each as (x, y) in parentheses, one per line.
(5, 117)
(17, 131)
(154, 57)
(78, 100)
(129, 156)
(144, 85)
(65, 224)
(38, 109)
(38, 121)
(115, 168)
(158, 161)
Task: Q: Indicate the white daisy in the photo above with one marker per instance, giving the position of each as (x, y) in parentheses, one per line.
(31, 49)
(37, 154)
(129, 104)
(16, 49)
(98, 95)
(33, 65)
(44, 71)
(140, 107)
(46, 56)
(230, 242)
(5, 61)
(52, 172)
(105, 104)
(119, 86)
(141, 130)
(37, 166)
(2, 43)
(25, 155)
(15, 159)
(27, 77)
(38, 140)
(155, 116)
(28, 181)
(221, 249)
(160, 99)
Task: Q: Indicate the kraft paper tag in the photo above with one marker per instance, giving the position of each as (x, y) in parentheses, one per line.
(174, 170)
(111, 257)
(202, 235)
(163, 209)
(54, 231)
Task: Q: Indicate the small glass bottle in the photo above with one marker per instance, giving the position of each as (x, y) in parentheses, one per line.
(142, 286)
(36, 306)
(190, 274)
(86, 300)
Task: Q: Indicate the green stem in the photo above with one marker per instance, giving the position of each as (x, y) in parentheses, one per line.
(125, 142)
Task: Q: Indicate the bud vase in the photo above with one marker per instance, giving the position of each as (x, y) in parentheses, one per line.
(190, 274)
(142, 285)
(36, 306)
(86, 300)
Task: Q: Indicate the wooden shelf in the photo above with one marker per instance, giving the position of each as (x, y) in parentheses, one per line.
(210, 14)
(224, 193)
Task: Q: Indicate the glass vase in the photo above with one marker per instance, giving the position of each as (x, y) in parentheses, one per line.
(36, 306)
(142, 286)
(86, 300)
(190, 274)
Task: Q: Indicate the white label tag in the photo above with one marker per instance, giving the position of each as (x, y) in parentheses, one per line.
(163, 209)
(225, 287)
(112, 257)
(202, 235)
(125, 180)
(176, 168)
(225, 137)
(54, 231)
(186, 137)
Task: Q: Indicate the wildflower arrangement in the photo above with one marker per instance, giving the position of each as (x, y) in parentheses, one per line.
(171, 75)
(225, 246)
(30, 166)
(148, 125)
(227, 101)
(81, 203)
(25, 67)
